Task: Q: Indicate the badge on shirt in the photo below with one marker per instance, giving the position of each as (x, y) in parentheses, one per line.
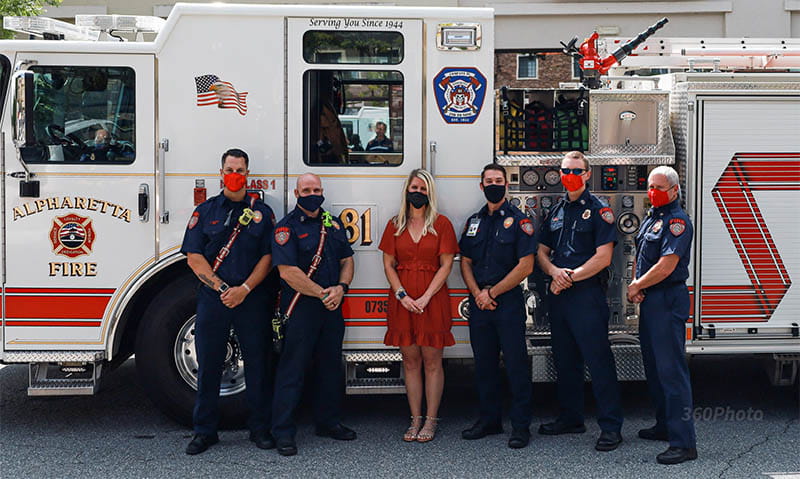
(527, 226)
(508, 222)
(657, 226)
(282, 235)
(258, 216)
(194, 219)
(586, 214)
(677, 226)
(472, 229)
(608, 215)
(557, 221)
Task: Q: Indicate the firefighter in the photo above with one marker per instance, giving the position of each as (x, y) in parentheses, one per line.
(315, 329)
(233, 292)
(497, 250)
(663, 245)
(575, 246)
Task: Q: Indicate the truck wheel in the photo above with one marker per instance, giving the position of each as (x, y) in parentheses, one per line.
(166, 361)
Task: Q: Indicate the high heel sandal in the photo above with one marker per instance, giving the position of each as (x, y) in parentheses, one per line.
(428, 431)
(413, 429)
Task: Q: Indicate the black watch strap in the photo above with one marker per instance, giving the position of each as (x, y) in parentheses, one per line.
(345, 287)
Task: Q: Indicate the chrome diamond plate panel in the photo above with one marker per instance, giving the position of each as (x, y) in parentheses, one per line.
(628, 359)
(663, 146)
(372, 356)
(53, 356)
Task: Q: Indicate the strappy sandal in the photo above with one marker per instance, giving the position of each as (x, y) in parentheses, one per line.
(413, 429)
(428, 431)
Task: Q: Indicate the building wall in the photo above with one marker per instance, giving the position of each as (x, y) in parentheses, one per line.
(553, 68)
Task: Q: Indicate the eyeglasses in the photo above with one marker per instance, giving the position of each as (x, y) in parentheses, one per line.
(574, 171)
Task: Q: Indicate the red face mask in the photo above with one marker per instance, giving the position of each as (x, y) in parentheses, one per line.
(234, 181)
(657, 197)
(572, 182)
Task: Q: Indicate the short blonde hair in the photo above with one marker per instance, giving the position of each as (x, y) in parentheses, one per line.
(577, 155)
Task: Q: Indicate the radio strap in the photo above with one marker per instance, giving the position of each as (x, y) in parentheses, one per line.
(244, 220)
(323, 233)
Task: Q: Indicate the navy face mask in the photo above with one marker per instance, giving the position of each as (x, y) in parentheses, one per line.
(310, 203)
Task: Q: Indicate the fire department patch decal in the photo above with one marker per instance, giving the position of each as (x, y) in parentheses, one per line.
(657, 226)
(459, 94)
(527, 226)
(677, 226)
(508, 222)
(608, 215)
(72, 235)
(282, 235)
(193, 220)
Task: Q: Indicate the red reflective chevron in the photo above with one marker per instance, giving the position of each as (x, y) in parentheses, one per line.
(733, 194)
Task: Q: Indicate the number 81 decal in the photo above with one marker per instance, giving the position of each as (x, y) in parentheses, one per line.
(358, 227)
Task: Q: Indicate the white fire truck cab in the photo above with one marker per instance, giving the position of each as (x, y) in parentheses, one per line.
(108, 146)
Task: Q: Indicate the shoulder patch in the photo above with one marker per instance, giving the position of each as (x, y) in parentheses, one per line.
(677, 226)
(607, 214)
(194, 219)
(282, 235)
(527, 226)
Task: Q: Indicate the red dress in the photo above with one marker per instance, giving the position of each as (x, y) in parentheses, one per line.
(417, 264)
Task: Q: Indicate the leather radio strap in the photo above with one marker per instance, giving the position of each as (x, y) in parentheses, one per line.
(223, 253)
(311, 269)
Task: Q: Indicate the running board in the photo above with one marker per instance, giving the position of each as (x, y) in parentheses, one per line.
(374, 372)
(628, 358)
(64, 379)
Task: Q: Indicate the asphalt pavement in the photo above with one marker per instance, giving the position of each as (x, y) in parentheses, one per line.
(745, 428)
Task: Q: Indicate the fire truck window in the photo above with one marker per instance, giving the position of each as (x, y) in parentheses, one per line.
(84, 114)
(327, 46)
(353, 118)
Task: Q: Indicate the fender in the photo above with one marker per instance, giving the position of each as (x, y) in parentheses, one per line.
(112, 338)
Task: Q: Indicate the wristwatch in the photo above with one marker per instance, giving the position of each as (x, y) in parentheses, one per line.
(400, 294)
(345, 287)
(223, 287)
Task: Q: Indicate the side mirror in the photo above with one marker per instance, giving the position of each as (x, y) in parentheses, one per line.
(24, 135)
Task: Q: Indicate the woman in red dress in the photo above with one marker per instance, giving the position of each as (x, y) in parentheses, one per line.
(418, 248)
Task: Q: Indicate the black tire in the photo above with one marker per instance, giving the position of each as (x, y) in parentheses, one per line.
(156, 365)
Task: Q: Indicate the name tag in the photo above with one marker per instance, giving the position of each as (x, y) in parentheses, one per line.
(472, 230)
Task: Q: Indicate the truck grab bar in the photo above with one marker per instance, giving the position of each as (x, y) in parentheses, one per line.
(163, 148)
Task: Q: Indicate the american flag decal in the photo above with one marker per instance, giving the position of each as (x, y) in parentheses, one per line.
(213, 91)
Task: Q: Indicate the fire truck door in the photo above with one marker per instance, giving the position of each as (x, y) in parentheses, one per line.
(81, 228)
(749, 159)
(355, 119)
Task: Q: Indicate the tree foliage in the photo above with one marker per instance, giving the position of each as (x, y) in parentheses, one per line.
(22, 8)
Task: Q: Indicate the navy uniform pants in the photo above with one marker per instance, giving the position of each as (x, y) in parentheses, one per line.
(313, 340)
(579, 328)
(662, 330)
(251, 322)
(491, 332)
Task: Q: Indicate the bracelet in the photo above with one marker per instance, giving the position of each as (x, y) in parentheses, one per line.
(489, 292)
(400, 294)
(246, 286)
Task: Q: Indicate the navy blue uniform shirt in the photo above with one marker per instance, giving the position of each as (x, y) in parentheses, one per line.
(666, 230)
(495, 243)
(296, 239)
(210, 228)
(575, 229)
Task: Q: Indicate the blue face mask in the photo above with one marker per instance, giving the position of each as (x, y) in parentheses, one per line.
(310, 203)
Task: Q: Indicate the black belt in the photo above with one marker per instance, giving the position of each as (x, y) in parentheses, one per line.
(665, 285)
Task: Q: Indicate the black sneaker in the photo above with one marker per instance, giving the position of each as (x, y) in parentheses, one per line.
(519, 438)
(557, 427)
(201, 442)
(654, 434)
(677, 455)
(338, 432)
(608, 441)
(480, 430)
(286, 447)
(263, 439)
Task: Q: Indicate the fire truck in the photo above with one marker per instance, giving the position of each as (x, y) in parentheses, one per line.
(112, 127)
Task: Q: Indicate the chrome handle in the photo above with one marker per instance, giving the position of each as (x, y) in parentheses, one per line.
(163, 148)
(144, 202)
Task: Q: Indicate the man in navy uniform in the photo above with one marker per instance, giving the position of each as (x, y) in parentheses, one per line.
(315, 329)
(662, 267)
(497, 250)
(575, 246)
(234, 294)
